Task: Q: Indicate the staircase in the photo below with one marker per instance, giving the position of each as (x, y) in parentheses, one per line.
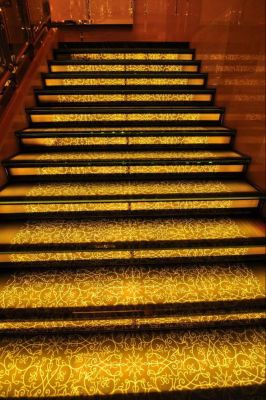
(132, 246)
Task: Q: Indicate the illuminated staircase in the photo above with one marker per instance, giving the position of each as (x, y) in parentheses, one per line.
(132, 246)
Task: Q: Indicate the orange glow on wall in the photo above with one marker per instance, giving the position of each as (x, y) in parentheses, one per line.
(104, 12)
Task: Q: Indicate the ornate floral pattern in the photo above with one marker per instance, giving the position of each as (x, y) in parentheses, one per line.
(129, 117)
(131, 188)
(128, 230)
(46, 366)
(107, 286)
(89, 98)
(134, 155)
(124, 68)
(123, 81)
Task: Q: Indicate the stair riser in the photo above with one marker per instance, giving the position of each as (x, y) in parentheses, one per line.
(131, 325)
(126, 171)
(126, 208)
(126, 142)
(130, 132)
(124, 118)
(125, 82)
(169, 255)
(124, 99)
(124, 68)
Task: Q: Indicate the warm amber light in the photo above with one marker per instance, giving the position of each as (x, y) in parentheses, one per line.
(47, 366)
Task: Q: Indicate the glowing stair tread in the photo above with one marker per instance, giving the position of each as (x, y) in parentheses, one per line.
(123, 363)
(126, 115)
(123, 66)
(81, 323)
(128, 79)
(136, 235)
(125, 163)
(87, 140)
(123, 156)
(169, 136)
(125, 189)
(68, 97)
(110, 287)
(168, 130)
(126, 196)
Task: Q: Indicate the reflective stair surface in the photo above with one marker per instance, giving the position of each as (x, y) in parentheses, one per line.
(132, 246)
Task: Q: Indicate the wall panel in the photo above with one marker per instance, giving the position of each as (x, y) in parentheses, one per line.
(229, 37)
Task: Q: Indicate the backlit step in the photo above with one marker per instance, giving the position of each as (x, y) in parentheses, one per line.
(144, 139)
(126, 116)
(124, 54)
(125, 163)
(132, 323)
(124, 79)
(137, 130)
(126, 197)
(105, 292)
(111, 363)
(124, 66)
(107, 97)
(128, 239)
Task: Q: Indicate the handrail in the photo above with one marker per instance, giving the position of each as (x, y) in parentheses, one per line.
(12, 64)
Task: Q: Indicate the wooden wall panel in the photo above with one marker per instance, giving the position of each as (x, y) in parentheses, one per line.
(111, 11)
(107, 12)
(231, 43)
(68, 10)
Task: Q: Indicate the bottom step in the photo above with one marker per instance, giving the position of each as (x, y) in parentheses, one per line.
(46, 366)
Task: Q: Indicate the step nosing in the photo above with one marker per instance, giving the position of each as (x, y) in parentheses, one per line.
(159, 310)
(76, 199)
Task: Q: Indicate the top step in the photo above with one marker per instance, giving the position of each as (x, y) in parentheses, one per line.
(95, 53)
(108, 45)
